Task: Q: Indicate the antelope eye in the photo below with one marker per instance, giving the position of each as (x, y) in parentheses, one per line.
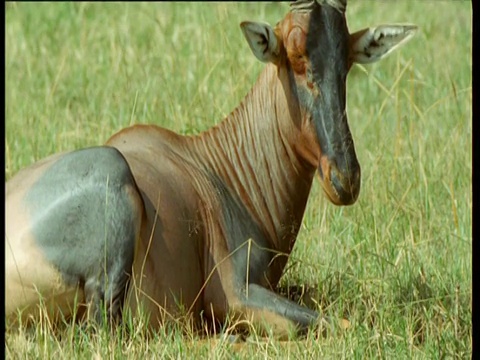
(298, 63)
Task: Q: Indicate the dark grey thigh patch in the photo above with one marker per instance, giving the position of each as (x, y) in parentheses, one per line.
(239, 227)
(84, 219)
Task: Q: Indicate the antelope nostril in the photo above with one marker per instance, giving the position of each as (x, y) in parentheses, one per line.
(337, 183)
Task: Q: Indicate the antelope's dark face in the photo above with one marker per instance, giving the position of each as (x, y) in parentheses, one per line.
(317, 47)
(313, 41)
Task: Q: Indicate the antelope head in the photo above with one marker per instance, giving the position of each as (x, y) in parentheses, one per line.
(314, 43)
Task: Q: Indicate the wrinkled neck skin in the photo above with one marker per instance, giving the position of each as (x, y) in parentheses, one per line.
(266, 155)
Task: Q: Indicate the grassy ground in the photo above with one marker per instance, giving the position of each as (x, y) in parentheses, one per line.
(397, 264)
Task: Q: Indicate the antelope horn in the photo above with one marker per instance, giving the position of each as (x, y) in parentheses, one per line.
(308, 5)
(302, 5)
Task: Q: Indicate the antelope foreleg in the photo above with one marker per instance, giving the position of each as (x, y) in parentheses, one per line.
(273, 313)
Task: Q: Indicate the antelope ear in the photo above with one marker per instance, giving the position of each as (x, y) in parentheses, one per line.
(261, 39)
(372, 44)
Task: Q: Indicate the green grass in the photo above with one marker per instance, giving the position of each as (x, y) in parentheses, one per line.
(397, 263)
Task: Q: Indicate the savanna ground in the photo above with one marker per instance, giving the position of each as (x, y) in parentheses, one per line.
(397, 264)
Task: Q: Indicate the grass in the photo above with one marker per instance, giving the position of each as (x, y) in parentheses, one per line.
(397, 264)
